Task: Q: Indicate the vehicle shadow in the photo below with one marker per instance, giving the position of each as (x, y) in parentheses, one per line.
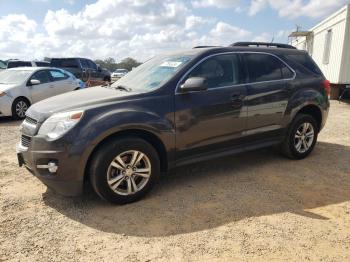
(9, 121)
(214, 193)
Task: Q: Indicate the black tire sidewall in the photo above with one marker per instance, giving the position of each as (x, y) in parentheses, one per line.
(300, 119)
(14, 104)
(104, 157)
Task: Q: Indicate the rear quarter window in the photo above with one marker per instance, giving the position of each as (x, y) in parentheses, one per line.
(303, 64)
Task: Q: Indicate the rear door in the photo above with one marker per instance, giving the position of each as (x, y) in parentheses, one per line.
(268, 93)
(214, 119)
(61, 82)
(44, 89)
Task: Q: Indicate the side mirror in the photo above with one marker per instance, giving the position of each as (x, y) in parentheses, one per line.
(99, 69)
(194, 84)
(34, 82)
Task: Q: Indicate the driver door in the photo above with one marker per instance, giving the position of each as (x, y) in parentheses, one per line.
(42, 90)
(213, 119)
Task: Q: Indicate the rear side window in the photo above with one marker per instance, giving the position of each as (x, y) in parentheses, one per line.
(84, 63)
(219, 71)
(18, 64)
(44, 64)
(92, 65)
(58, 75)
(303, 64)
(68, 63)
(263, 67)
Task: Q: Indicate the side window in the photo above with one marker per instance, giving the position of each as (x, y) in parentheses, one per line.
(262, 67)
(219, 71)
(303, 64)
(58, 75)
(92, 65)
(84, 63)
(42, 76)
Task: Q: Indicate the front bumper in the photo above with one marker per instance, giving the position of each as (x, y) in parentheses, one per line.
(67, 180)
(5, 106)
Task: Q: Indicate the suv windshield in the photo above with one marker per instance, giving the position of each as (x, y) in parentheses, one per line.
(153, 73)
(14, 76)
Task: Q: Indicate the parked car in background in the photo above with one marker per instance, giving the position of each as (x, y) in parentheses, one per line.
(21, 87)
(119, 73)
(173, 110)
(2, 65)
(21, 63)
(82, 68)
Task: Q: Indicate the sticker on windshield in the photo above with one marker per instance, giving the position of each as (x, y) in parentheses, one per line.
(171, 64)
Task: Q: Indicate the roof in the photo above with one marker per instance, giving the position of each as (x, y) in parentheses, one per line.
(29, 68)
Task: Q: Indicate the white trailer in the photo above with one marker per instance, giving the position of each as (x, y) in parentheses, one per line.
(329, 45)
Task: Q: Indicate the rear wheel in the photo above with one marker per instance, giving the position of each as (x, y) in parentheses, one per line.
(19, 108)
(124, 170)
(301, 137)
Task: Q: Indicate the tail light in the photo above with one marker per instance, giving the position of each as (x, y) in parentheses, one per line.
(327, 87)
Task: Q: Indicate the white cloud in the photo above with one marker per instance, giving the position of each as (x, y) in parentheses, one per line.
(137, 28)
(216, 3)
(296, 8)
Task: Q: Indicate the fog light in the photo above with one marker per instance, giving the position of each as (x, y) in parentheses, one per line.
(51, 166)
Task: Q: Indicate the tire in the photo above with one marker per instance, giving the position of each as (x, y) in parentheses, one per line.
(107, 79)
(128, 185)
(295, 136)
(19, 108)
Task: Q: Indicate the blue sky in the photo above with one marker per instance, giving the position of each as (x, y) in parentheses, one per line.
(33, 29)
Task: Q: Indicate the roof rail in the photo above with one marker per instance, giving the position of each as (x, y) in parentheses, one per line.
(205, 46)
(262, 44)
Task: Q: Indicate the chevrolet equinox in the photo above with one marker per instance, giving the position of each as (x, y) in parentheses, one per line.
(175, 109)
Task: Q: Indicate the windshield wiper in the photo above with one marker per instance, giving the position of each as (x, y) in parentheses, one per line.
(124, 88)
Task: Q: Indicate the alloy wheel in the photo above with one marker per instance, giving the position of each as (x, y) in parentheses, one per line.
(21, 108)
(304, 137)
(129, 172)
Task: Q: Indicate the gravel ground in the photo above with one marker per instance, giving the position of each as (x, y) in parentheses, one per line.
(253, 206)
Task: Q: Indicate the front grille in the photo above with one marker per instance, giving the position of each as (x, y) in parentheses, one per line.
(25, 140)
(31, 121)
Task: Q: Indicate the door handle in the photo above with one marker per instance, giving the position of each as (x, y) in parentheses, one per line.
(237, 100)
(51, 86)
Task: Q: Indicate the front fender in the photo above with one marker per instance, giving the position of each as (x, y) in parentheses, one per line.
(98, 127)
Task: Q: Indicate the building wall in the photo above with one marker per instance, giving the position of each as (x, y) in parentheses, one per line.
(335, 70)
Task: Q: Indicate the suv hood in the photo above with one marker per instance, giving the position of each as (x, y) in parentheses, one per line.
(74, 100)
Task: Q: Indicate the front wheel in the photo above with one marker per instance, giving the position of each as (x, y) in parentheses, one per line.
(19, 108)
(124, 170)
(301, 137)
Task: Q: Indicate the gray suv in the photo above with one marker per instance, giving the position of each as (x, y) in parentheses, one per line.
(175, 109)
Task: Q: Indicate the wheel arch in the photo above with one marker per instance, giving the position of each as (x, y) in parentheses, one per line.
(148, 136)
(312, 110)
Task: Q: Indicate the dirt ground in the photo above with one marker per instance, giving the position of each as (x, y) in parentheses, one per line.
(253, 206)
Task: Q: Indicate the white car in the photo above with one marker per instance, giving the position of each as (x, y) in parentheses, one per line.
(21, 87)
(119, 73)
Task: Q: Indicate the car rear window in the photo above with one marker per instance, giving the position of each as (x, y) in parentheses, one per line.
(68, 63)
(303, 64)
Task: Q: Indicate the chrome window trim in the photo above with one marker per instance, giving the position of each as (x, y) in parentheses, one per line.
(230, 53)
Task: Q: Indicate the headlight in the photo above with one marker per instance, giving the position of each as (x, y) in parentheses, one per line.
(59, 124)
